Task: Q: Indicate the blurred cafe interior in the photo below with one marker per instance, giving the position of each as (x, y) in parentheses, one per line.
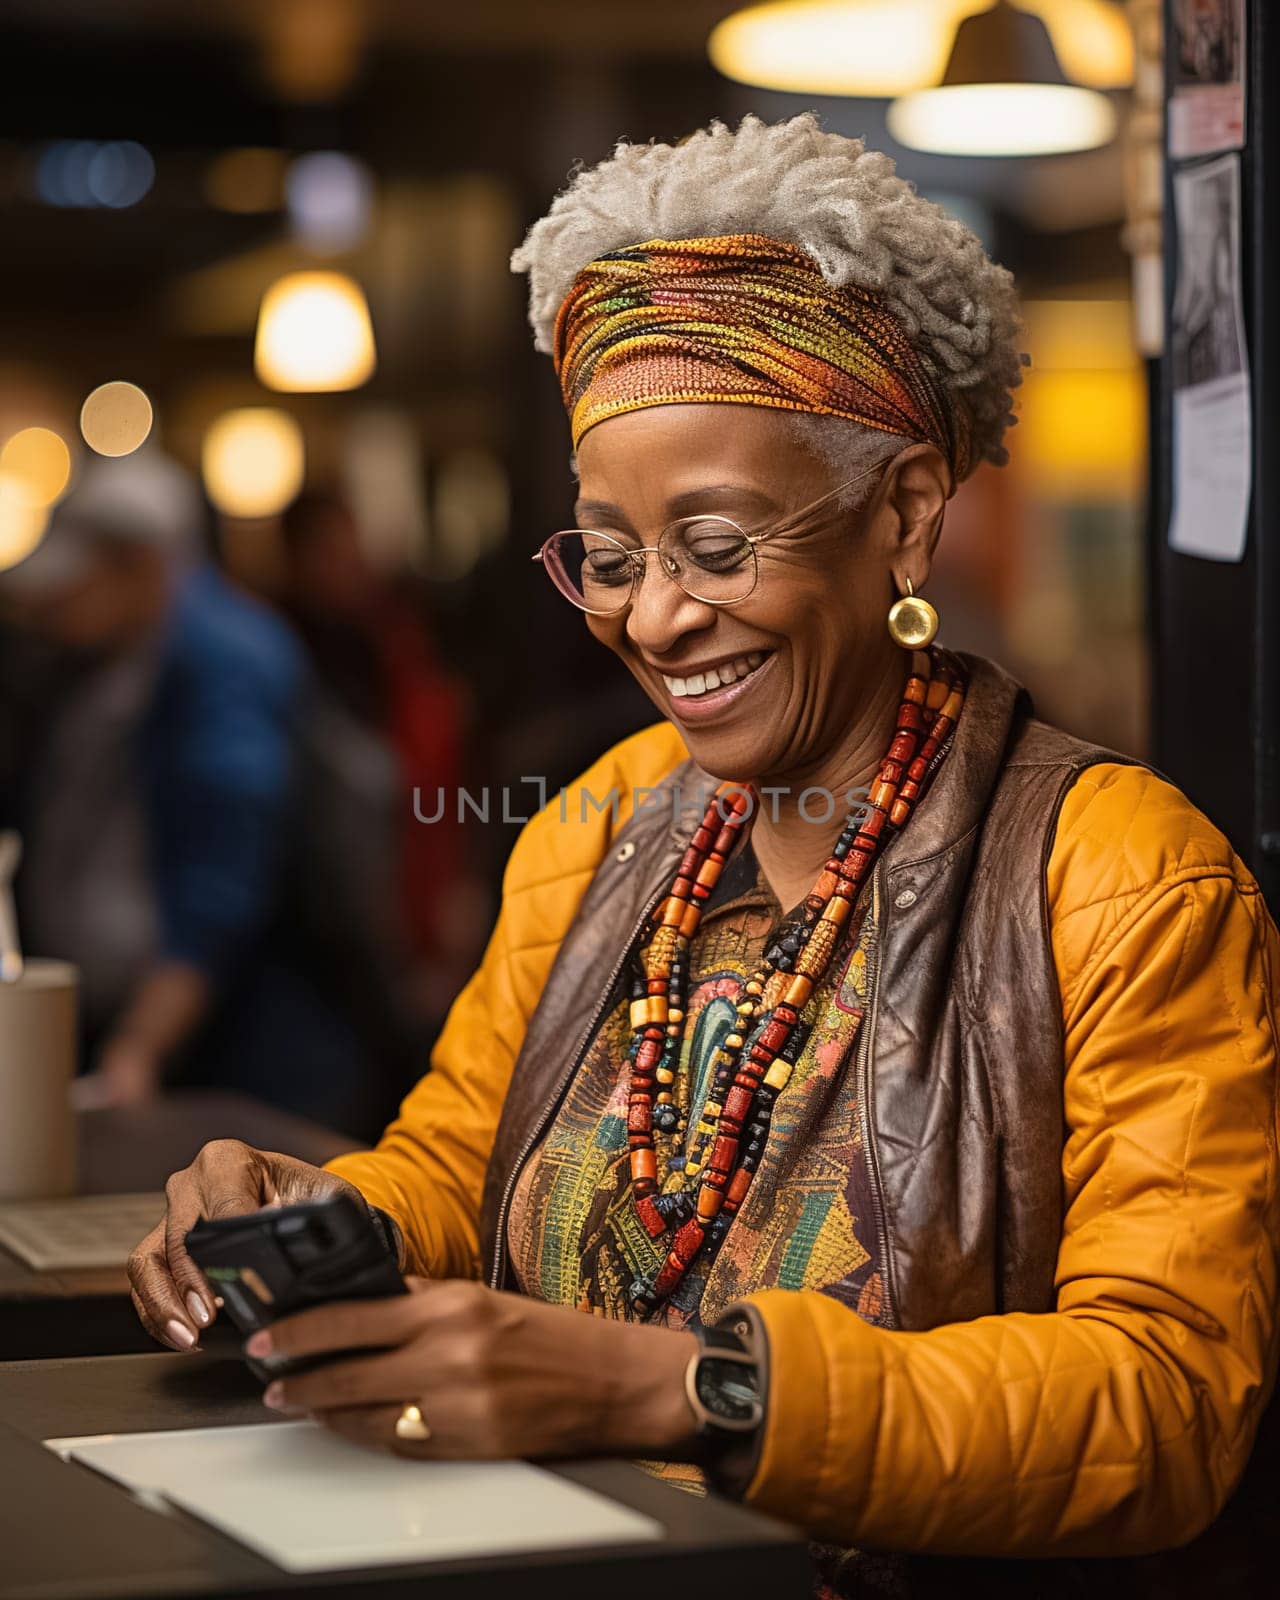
(258, 326)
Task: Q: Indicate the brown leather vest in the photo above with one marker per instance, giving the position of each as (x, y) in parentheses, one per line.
(962, 1051)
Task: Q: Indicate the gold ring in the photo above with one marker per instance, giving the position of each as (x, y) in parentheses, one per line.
(411, 1424)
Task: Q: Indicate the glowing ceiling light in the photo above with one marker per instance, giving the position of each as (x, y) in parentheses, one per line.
(1003, 94)
(855, 47)
(22, 521)
(253, 461)
(1002, 119)
(893, 47)
(314, 334)
(39, 459)
(116, 418)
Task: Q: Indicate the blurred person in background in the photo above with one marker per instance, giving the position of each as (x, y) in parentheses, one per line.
(160, 778)
(370, 650)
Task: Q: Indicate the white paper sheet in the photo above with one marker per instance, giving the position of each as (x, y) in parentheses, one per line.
(312, 1502)
(1212, 413)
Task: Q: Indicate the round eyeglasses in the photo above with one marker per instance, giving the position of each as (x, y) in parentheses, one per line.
(712, 558)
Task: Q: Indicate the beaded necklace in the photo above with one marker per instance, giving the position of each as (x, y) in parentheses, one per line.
(709, 1174)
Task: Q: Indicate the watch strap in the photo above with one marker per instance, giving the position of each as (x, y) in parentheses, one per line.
(730, 1461)
(722, 1442)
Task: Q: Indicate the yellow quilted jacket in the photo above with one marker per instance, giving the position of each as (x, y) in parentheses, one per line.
(1120, 1421)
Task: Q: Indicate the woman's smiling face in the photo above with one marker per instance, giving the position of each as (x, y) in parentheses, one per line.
(793, 662)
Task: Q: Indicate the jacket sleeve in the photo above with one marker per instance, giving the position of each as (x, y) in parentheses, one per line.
(1120, 1421)
(428, 1169)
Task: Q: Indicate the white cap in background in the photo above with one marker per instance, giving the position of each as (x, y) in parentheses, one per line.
(145, 498)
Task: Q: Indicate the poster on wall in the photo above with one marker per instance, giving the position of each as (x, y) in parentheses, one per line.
(1206, 109)
(1212, 422)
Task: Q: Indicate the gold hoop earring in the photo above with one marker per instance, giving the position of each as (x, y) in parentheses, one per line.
(912, 621)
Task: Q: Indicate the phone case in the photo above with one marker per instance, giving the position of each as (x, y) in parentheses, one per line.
(283, 1259)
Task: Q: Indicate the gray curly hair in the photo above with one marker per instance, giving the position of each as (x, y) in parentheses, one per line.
(842, 203)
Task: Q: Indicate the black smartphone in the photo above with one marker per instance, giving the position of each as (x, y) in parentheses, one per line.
(271, 1263)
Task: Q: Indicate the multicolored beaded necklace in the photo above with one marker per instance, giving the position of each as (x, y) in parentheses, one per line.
(707, 1181)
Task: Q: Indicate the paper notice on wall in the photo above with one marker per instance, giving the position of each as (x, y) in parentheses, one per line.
(1206, 110)
(1212, 421)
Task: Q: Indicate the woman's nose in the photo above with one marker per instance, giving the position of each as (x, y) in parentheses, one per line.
(661, 611)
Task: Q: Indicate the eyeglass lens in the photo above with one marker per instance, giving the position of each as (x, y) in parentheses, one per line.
(710, 558)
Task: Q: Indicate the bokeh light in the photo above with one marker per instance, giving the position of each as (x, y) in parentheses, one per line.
(22, 520)
(833, 47)
(1093, 38)
(39, 459)
(1083, 407)
(116, 418)
(314, 334)
(62, 173)
(120, 174)
(253, 461)
(87, 172)
(329, 197)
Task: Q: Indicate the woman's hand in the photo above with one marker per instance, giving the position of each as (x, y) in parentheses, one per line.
(495, 1375)
(226, 1179)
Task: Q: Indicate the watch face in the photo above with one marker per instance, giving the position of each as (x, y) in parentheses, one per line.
(728, 1389)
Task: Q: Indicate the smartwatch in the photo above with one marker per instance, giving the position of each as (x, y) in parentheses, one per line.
(724, 1387)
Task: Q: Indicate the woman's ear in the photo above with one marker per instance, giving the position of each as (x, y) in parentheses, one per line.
(919, 485)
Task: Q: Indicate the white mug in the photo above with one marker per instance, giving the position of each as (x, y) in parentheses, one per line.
(37, 1064)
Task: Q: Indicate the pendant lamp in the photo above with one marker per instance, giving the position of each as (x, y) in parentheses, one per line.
(1004, 93)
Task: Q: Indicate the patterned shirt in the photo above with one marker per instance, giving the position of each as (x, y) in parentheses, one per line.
(808, 1220)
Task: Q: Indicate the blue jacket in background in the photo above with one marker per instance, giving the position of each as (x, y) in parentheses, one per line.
(220, 761)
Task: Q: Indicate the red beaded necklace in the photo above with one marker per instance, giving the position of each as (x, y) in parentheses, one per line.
(708, 1181)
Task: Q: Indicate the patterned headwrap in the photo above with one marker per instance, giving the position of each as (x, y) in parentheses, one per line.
(750, 320)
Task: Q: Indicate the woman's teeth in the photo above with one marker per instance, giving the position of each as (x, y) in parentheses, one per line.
(704, 682)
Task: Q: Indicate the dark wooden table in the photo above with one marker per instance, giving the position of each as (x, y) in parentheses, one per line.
(124, 1152)
(68, 1534)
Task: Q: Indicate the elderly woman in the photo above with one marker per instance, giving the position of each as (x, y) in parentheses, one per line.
(868, 1092)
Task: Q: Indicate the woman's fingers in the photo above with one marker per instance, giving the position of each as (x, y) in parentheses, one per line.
(144, 1316)
(156, 1295)
(365, 1381)
(343, 1325)
(190, 1286)
(173, 1299)
(221, 1181)
(226, 1179)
